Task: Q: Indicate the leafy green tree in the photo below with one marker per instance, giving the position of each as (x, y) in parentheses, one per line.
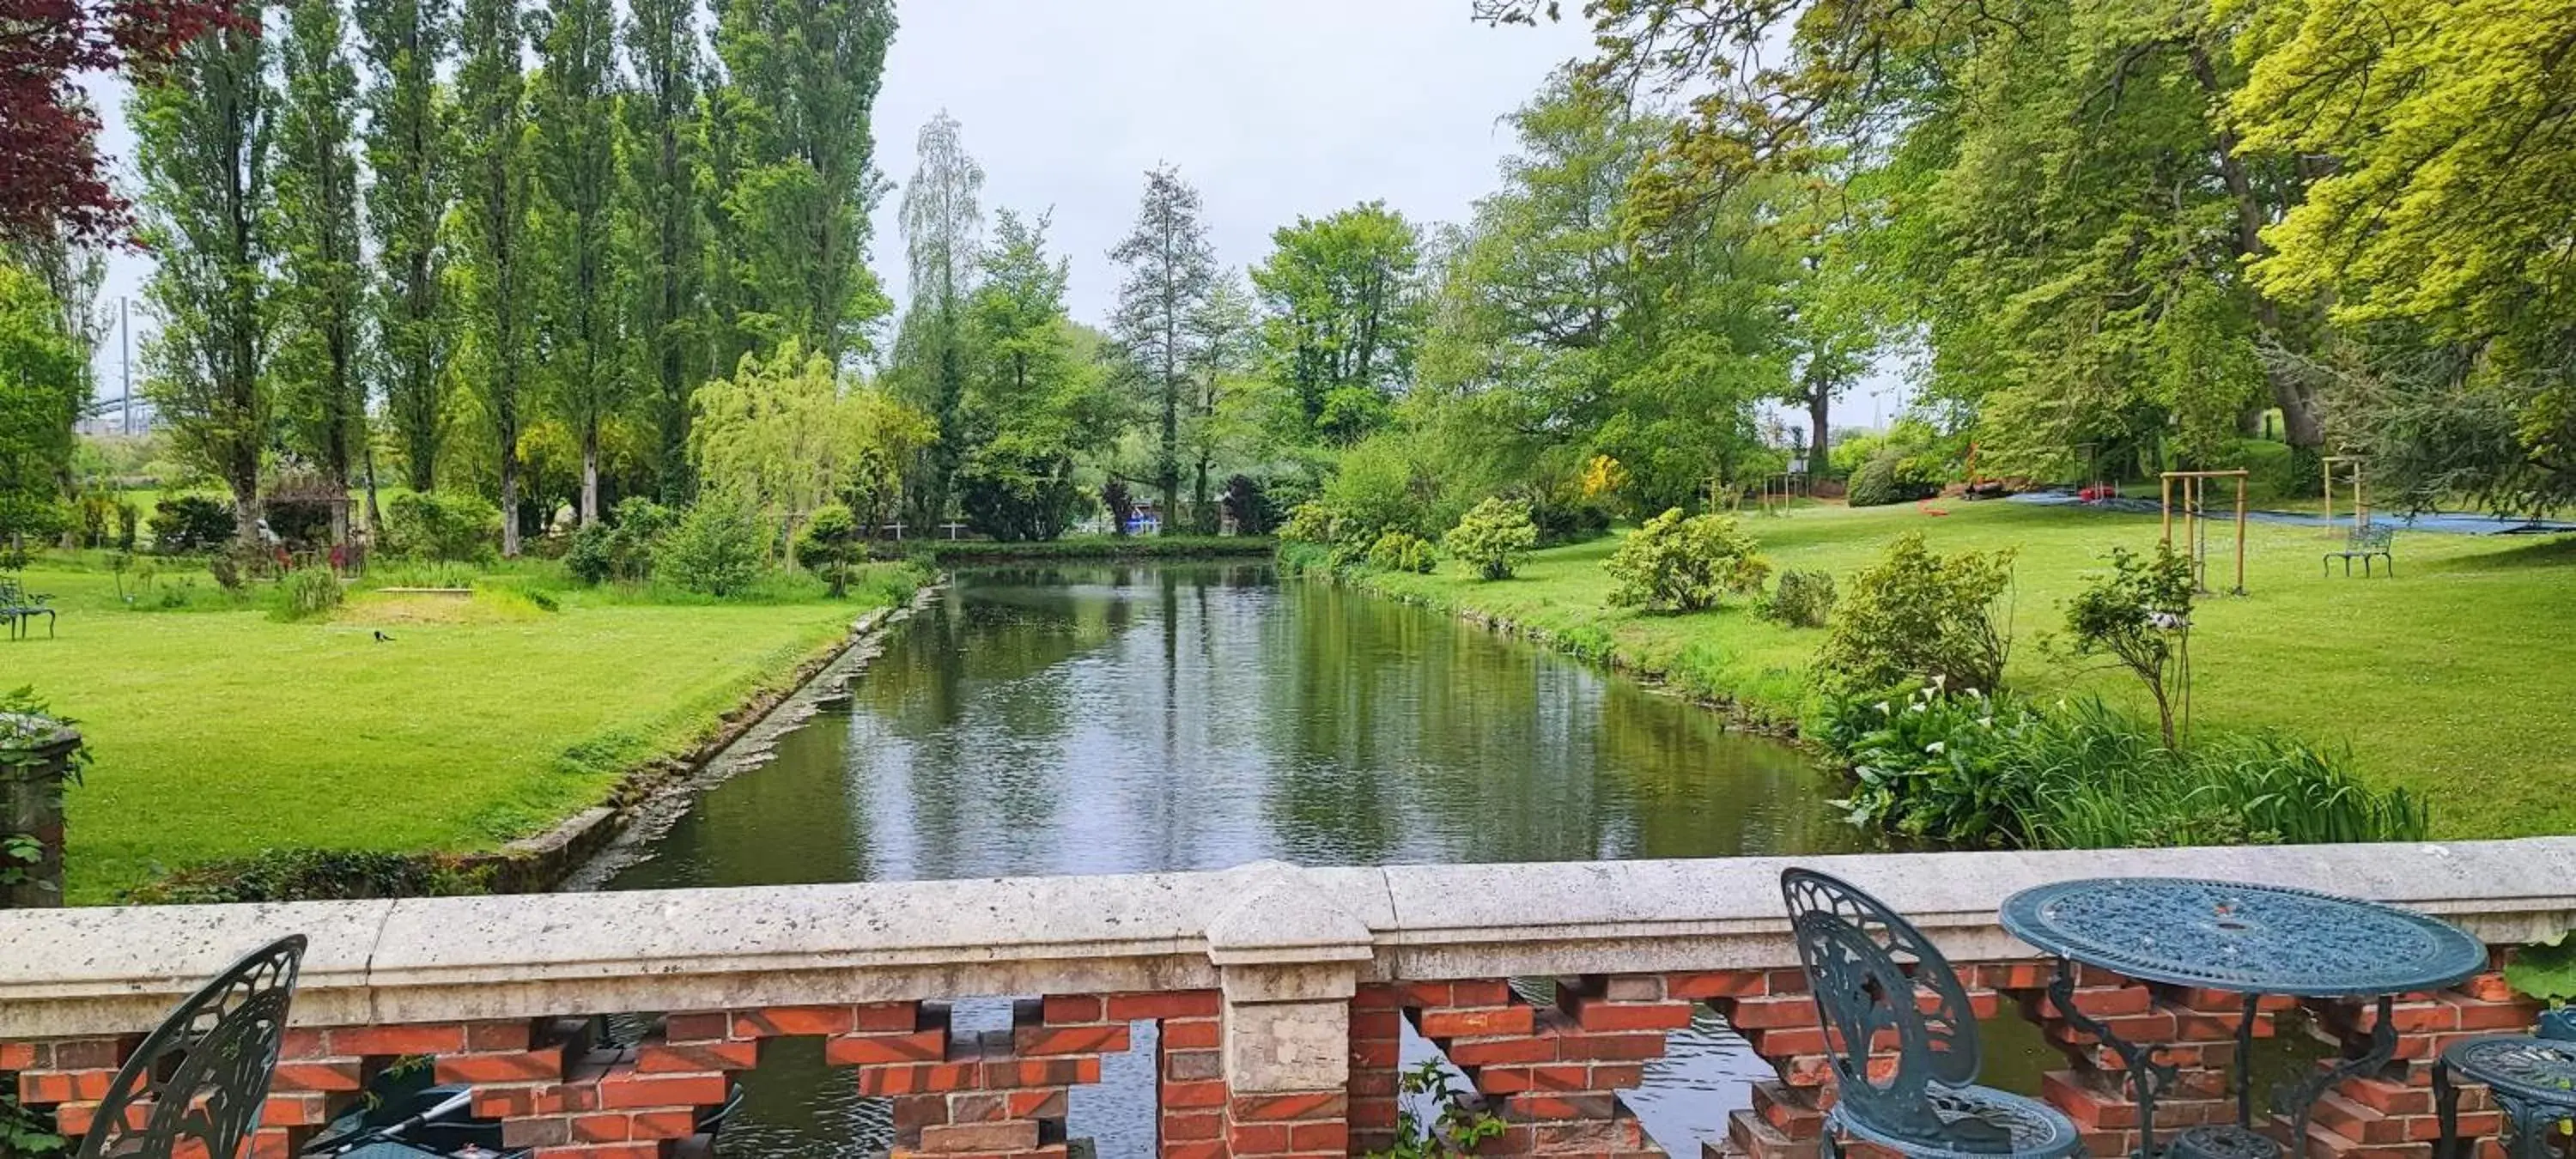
(403, 43)
(204, 129)
(322, 294)
(943, 219)
(2439, 231)
(1033, 407)
(2139, 614)
(43, 382)
(661, 137)
(1561, 330)
(573, 105)
(792, 130)
(494, 172)
(1171, 270)
(785, 435)
(831, 543)
(1346, 314)
(1921, 617)
(1226, 338)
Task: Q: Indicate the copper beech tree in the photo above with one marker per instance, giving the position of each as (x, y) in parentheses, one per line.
(53, 183)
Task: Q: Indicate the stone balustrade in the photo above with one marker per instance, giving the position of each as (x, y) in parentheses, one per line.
(1279, 996)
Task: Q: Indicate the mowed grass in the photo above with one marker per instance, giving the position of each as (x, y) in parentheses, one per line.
(2454, 679)
(222, 733)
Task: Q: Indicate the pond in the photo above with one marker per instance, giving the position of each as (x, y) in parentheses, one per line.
(1102, 719)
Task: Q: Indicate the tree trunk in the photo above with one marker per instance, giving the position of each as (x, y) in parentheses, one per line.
(2300, 426)
(1820, 406)
(590, 474)
(509, 491)
(375, 516)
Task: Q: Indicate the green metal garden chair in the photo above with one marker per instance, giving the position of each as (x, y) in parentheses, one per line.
(1877, 979)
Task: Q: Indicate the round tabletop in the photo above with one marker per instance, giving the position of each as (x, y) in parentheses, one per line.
(2245, 939)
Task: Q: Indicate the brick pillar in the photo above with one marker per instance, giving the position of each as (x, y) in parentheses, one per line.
(1289, 958)
(32, 779)
(2389, 1115)
(1554, 1073)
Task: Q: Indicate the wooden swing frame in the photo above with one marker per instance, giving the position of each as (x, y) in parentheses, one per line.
(2195, 491)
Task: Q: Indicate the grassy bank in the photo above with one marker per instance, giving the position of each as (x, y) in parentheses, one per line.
(220, 733)
(2448, 679)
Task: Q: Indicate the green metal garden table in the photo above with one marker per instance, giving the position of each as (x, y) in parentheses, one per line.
(2253, 940)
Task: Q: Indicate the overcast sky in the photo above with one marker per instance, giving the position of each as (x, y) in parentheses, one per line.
(1272, 108)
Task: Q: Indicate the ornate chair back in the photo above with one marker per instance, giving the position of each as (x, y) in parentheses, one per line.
(199, 1079)
(1877, 980)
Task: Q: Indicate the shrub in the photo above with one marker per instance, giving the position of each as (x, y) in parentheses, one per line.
(433, 526)
(1804, 598)
(1402, 551)
(829, 544)
(1021, 497)
(716, 549)
(1919, 617)
(1889, 478)
(280, 875)
(307, 592)
(1685, 564)
(1964, 768)
(1310, 523)
(1249, 503)
(1492, 538)
(191, 523)
(2137, 614)
(592, 554)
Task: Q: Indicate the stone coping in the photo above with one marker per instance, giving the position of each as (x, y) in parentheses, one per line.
(114, 970)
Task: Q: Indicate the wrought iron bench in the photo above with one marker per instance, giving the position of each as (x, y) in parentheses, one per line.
(2371, 540)
(1877, 979)
(20, 607)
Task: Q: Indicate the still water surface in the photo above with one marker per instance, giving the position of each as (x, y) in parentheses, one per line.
(1103, 719)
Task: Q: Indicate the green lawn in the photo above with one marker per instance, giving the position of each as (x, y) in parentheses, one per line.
(222, 733)
(2453, 679)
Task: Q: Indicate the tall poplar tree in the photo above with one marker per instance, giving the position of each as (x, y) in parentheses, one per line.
(797, 182)
(321, 388)
(575, 105)
(203, 130)
(943, 219)
(403, 43)
(493, 184)
(1171, 270)
(661, 145)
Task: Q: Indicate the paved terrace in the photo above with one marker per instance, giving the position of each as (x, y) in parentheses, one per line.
(1280, 993)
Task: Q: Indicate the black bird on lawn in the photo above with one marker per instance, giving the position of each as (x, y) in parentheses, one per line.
(382, 638)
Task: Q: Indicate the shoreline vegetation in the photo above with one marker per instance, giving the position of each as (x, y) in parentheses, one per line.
(2404, 688)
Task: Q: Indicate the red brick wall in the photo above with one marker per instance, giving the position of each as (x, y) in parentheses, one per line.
(1552, 1071)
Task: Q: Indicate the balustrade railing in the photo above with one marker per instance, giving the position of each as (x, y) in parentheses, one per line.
(1279, 997)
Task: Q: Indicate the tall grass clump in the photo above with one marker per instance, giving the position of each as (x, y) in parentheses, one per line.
(305, 593)
(1970, 769)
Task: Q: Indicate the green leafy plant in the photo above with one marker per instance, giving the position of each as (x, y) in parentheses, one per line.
(829, 544)
(1685, 564)
(2139, 614)
(436, 526)
(1889, 477)
(191, 523)
(277, 875)
(1492, 538)
(1804, 597)
(23, 1131)
(1457, 1126)
(1971, 769)
(2545, 969)
(1402, 551)
(1916, 617)
(307, 592)
(716, 549)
